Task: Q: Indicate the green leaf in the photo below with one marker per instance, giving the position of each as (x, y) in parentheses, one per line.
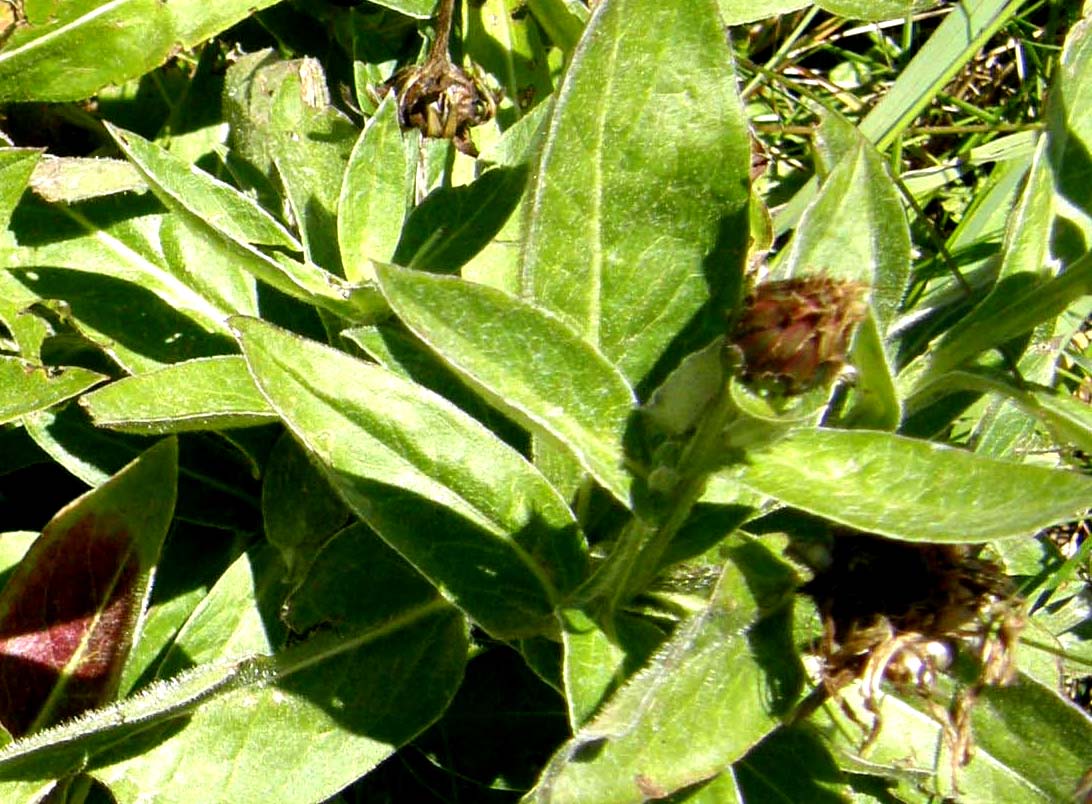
(873, 244)
(701, 703)
(205, 394)
(737, 12)
(525, 362)
(105, 260)
(463, 508)
(25, 388)
(59, 57)
(229, 222)
(792, 764)
(638, 213)
(237, 618)
(596, 663)
(311, 143)
(374, 196)
(16, 167)
(957, 40)
(309, 720)
(500, 37)
(1068, 418)
(910, 489)
(1016, 305)
(1007, 720)
(562, 20)
(68, 179)
(876, 10)
(220, 205)
(71, 611)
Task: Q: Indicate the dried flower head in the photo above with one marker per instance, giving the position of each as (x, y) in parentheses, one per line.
(438, 98)
(898, 611)
(441, 100)
(794, 333)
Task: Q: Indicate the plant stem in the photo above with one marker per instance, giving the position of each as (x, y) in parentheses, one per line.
(445, 16)
(644, 541)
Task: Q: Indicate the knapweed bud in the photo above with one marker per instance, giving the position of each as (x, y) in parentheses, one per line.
(794, 333)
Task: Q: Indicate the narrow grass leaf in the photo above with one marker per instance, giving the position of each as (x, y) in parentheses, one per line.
(647, 128)
(911, 489)
(525, 362)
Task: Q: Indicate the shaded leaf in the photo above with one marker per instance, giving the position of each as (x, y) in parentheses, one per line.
(70, 612)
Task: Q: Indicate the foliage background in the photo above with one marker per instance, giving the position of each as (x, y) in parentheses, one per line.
(374, 511)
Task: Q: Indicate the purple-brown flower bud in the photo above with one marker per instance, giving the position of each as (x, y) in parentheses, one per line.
(794, 333)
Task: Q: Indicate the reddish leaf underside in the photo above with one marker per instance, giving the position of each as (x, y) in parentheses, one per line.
(66, 622)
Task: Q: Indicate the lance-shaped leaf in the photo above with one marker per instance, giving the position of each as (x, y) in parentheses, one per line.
(699, 705)
(525, 362)
(459, 504)
(203, 394)
(230, 223)
(16, 167)
(911, 489)
(71, 611)
(374, 197)
(25, 388)
(58, 56)
(309, 720)
(638, 214)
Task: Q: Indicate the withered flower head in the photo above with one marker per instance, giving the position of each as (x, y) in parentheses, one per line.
(440, 100)
(900, 610)
(794, 333)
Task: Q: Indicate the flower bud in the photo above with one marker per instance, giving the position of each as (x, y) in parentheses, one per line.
(794, 333)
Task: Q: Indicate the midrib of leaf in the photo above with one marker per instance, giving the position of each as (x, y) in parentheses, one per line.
(78, 656)
(595, 292)
(130, 257)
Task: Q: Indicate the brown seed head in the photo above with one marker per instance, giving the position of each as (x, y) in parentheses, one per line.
(440, 100)
(794, 333)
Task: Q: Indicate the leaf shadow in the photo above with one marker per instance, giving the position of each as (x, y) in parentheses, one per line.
(125, 313)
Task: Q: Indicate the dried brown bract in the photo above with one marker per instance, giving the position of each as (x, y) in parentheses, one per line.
(899, 611)
(794, 333)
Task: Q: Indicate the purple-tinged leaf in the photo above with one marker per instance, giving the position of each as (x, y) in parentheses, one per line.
(71, 610)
